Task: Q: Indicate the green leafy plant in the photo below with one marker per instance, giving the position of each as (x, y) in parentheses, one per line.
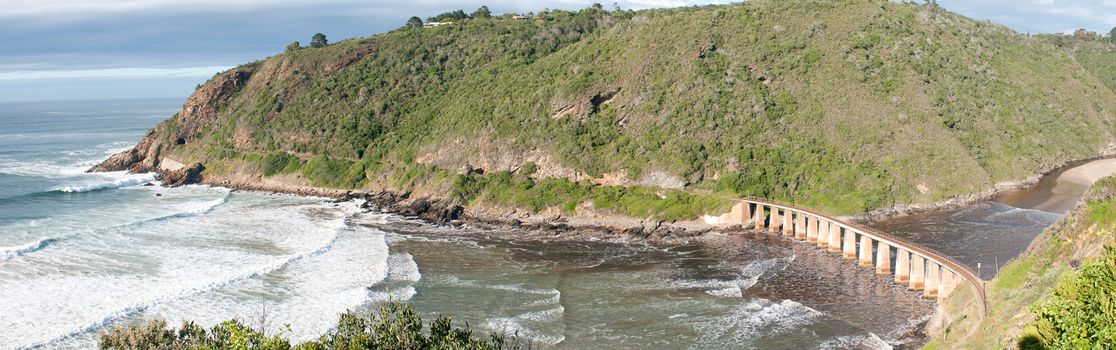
(395, 326)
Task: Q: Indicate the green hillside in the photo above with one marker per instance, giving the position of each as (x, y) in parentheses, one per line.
(844, 106)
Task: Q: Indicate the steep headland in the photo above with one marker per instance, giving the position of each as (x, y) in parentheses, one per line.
(843, 106)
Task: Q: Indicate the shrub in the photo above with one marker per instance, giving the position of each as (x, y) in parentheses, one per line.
(482, 13)
(337, 173)
(506, 188)
(1081, 314)
(279, 163)
(319, 40)
(449, 16)
(394, 326)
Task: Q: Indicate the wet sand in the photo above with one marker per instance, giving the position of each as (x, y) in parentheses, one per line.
(1059, 191)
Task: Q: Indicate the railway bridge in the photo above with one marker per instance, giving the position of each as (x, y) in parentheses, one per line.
(911, 264)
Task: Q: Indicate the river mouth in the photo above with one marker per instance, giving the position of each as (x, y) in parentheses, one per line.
(749, 290)
(986, 234)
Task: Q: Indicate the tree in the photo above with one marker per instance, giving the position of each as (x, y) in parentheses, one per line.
(414, 22)
(449, 16)
(1112, 35)
(319, 40)
(1083, 34)
(482, 12)
(294, 46)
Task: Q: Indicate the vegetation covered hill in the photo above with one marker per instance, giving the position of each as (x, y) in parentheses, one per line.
(1060, 294)
(845, 106)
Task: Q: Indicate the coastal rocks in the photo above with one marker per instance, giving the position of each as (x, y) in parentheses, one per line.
(182, 177)
(437, 211)
(434, 210)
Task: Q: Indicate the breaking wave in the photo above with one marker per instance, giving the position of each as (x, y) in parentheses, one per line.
(8, 253)
(138, 306)
(120, 182)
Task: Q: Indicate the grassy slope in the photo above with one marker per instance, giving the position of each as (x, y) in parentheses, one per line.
(844, 106)
(1099, 59)
(1031, 278)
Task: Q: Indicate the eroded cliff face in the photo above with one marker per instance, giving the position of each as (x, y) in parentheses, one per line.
(200, 110)
(139, 159)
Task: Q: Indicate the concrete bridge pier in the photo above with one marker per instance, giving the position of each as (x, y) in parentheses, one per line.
(773, 220)
(759, 217)
(865, 251)
(738, 213)
(788, 226)
(823, 234)
(946, 283)
(800, 226)
(812, 230)
(834, 238)
(932, 281)
(883, 258)
(902, 266)
(848, 251)
(918, 272)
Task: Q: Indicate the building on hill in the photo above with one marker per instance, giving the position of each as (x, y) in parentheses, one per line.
(435, 24)
(519, 17)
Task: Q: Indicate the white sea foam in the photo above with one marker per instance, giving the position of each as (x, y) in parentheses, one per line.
(519, 288)
(755, 319)
(137, 306)
(543, 315)
(867, 341)
(548, 301)
(309, 292)
(109, 181)
(732, 291)
(44, 168)
(393, 294)
(735, 288)
(188, 210)
(402, 267)
(68, 163)
(517, 327)
(373, 218)
(7, 253)
(171, 263)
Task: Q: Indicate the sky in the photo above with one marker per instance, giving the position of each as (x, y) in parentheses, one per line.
(101, 49)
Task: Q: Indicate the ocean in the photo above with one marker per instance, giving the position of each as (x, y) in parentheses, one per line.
(82, 253)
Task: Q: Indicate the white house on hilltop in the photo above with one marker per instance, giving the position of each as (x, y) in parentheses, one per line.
(435, 24)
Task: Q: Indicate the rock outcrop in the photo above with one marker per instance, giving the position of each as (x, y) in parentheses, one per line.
(185, 176)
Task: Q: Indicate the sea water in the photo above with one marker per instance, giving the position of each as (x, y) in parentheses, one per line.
(82, 253)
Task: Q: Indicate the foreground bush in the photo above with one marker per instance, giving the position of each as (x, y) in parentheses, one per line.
(394, 326)
(1082, 312)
